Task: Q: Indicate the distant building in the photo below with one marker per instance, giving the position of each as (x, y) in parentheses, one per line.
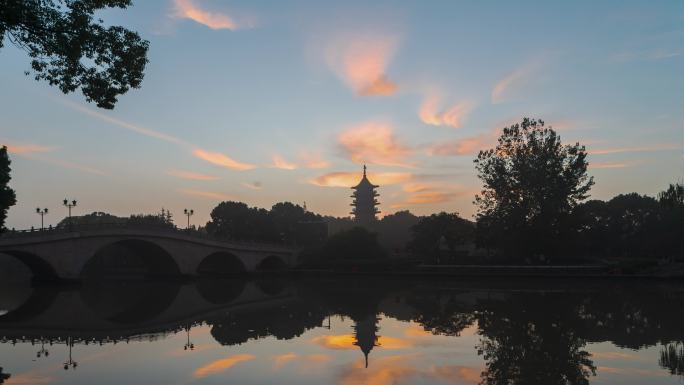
(365, 201)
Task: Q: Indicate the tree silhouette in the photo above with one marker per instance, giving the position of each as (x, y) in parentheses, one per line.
(672, 197)
(430, 231)
(531, 184)
(7, 196)
(3, 376)
(672, 358)
(70, 50)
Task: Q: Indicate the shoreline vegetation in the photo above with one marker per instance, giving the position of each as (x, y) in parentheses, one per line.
(534, 218)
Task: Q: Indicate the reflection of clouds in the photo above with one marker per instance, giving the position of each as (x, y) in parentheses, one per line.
(402, 369)
(221, 365)
(346, 341)
(631, 371)
(180, 352)
(29, 379)
(282, 359)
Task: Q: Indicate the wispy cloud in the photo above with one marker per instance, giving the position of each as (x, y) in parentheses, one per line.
(281, 163)
(607, 165)
(20, 149)
(512, 83)
(128, 126)
(188, 9)
(650, 148)
(37, 152)
(221, 365)
(466, 146)
(361, 61)
(207, 194)
(313, 160)
(252, 185)
(349, 179)
(191, 175)
(430, 112)
(280, 360)
(221, 160)
(215, 158)
(375, 143)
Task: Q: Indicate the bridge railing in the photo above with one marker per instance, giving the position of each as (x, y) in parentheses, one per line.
(162, 229)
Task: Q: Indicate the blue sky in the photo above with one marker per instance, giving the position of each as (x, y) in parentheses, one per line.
(265, 101)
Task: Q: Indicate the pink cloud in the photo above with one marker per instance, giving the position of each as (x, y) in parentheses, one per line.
(515, 81)
(221, 160)
(188, 9)
(361, 61)
(281, 163)
(349, 179)
(207, 194)
(375, 143)
(454, 116)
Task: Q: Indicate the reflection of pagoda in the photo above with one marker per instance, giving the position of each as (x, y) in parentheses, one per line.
(365, 333)
(364, 201)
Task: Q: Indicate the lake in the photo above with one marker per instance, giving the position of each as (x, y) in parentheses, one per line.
(345, 330)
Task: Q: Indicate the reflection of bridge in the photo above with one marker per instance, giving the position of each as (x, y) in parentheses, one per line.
(60, 254)
(120, 311)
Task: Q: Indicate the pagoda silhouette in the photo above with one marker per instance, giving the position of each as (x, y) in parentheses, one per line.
(365, 201)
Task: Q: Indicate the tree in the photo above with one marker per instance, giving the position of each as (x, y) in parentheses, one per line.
(430, 232)
(673, 197)
(236, 220)
(70, 50)
(285, 217)
(354, 244)
(7, 196)
(531, 183)
(394, 230)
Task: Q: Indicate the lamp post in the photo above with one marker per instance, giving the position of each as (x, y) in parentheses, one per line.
(42, 213)
(188, 345)
(70, 363)
(188, 213)
(69, 205)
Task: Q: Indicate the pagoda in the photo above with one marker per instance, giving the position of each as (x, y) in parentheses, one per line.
(364, 201)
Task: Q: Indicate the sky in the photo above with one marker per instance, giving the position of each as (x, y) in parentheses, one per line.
(267, 101)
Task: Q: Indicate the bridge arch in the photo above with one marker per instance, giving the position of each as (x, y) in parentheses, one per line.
(221, 263)
(40, 268)
(272, 263)
(130, 258)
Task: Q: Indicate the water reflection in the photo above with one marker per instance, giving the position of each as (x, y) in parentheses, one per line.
(375, 331)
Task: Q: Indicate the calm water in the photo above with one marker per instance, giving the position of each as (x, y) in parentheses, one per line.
(322, 331)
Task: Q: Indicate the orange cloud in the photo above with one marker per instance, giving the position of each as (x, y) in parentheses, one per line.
(453, 117)
(402, 370)
(349, 179)
(613, 355)
(317, 358)
(221, 160)
(466, 146)
(426, 197)
(191, 175)
(346, 342)
(361, 61)
(221, 365)
(207, 194)
(27, 148)
(279, 162)
(374, 142)
(336, 342)
(282, 359)
(187, 9)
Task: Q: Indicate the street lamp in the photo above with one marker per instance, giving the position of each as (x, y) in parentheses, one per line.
(188, 345)
(188, 213)
(69, 205)
(70, 363)
(42, 213)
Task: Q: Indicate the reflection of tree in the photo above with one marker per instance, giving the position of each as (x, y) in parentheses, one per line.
(672, 358)
(532, 341)
(3, 376)
(441, 313)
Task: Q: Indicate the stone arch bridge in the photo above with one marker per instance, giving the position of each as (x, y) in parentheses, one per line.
(79, 252)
